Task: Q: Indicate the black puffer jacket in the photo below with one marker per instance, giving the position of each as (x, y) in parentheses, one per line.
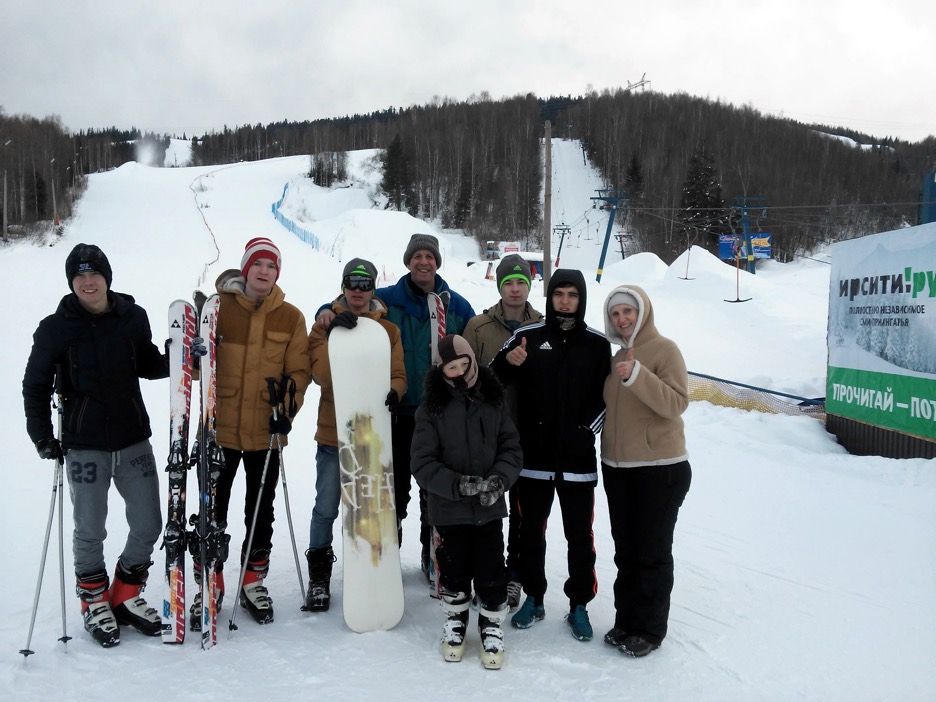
(560, 385)
(463, 432)
(102, 358)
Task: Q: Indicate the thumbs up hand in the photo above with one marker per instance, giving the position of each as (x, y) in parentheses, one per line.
(517, 356)
(626, 367)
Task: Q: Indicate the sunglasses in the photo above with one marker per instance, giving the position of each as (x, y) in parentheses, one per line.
(358, 282)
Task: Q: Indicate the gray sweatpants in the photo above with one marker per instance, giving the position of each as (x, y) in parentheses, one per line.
(133, 471)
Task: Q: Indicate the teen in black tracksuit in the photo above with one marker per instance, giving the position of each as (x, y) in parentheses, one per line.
(560, 366)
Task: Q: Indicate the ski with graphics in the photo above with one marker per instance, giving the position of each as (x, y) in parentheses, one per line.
(182, 324)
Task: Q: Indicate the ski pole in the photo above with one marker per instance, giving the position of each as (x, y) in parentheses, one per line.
(291, 385)
(56, 483)
(271, 384)
(61, 497)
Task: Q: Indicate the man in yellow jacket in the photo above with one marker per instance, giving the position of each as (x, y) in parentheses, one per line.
(261, 336)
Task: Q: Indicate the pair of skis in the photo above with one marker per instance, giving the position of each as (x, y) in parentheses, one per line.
(207, 536)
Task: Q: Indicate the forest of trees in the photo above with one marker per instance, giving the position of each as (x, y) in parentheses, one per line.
(683, 163)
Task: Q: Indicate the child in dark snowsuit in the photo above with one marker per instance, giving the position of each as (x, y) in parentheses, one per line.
(466, 453)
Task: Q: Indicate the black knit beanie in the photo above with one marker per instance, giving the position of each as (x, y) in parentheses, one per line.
(85, 258)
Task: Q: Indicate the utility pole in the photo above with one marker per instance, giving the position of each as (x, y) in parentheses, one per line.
(547, 208)
(54, 207)
(611, 200)
(6, 219)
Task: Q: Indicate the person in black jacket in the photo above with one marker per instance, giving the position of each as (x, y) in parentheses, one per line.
(100, 342)
(465, 454)
(559, 366)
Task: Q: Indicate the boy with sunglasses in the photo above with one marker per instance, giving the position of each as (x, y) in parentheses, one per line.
(356, 300)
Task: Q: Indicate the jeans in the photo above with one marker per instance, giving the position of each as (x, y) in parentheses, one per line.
(327, 497)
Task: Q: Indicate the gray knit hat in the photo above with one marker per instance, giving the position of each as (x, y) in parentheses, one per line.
(513, 266)
(622, 298)
(87, 257)
(419, 242)
(359, 266)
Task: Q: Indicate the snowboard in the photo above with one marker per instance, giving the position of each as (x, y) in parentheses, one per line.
(372, 583)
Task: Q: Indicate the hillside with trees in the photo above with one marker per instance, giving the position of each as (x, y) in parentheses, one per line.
(681, 162)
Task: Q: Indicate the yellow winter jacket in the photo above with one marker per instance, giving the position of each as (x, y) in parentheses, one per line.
(327, 433)
(259, 339)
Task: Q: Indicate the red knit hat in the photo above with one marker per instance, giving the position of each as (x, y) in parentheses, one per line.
(261, 247)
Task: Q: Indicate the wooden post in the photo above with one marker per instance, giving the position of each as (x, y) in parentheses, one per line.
(547, 208)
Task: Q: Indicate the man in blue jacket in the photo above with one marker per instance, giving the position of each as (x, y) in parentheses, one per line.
(408, 308)
(100, 342)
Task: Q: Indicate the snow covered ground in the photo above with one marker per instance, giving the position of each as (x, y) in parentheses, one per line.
(801, 572)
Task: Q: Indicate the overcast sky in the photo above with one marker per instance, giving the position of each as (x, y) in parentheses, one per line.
(181, 67)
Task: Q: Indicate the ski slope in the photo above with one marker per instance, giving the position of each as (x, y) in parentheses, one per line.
(801, 572)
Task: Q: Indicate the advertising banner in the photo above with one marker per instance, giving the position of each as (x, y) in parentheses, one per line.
(882, 330)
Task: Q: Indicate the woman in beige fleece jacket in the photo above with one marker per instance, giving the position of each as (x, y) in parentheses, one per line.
(645, 467)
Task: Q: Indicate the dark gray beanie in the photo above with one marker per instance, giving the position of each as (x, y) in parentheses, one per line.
(513, 266)
(360, 266)
(419, 242)
(87, 257)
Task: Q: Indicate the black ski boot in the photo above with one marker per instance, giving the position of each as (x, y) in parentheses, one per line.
(318, 597)
(127, 602)
(255, 598)
(94, 592)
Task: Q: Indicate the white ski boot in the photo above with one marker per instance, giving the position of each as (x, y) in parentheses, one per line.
(492, 636)
(455, 605)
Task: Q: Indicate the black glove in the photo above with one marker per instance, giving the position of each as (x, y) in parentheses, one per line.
(393, 400)
(346, 319)
(469, 485)
(50, 448)
(166, 347)
(280, 424)
(197, 350)
(491, 490)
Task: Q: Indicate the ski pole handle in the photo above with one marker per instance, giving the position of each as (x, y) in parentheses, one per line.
(273, 392)
(289, 390)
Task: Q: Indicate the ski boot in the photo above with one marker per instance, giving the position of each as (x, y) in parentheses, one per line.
(455, 605)
(318, 597)
(255, 598)
(127, 602)
(492, 635)
(94, 592)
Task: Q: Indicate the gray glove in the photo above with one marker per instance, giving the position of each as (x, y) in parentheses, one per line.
(469, 485)
(491, 490)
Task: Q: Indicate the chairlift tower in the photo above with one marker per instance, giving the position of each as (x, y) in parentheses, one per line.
(610, 200)
(562, 230)
(744, 204)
